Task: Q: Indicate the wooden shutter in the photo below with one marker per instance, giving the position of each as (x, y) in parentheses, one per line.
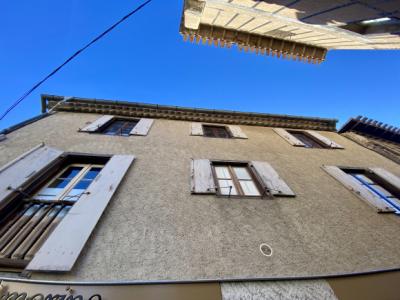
(202, 179)
(271, 179)
(288, 137)
(21, 170)
(197, 129)
(60, 251)
(324, 140)
(390, 178)
(142, 127)
(237, 132)
(358, 189)
(94, 126)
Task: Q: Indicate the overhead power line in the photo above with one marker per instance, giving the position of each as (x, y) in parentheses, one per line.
(28, 92)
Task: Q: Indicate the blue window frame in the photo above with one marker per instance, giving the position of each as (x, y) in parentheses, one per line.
(380, 190)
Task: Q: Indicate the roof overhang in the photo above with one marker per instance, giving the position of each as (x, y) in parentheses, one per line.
(303, 30)
(134, 109)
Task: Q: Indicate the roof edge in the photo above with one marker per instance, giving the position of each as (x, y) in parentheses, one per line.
(137, 109)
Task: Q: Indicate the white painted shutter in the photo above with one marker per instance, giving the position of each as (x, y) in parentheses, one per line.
(197, 129)
(390, 178)
(22, 169)
(142, 127)
(237, 132)
(358, 189)
(60, 251)
(94, 126)
(324, 140)
(271, 179)
(288, 137)
(202, 179)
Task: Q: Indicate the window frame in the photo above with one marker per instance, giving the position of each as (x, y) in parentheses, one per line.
(309, 137)
(230, 165)
(102, 128)
(226, 128)
(69, 187)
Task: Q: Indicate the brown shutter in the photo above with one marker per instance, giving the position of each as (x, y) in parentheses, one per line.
(288, 137)
(358, 189)
(324, 140)
(21, 170)
(237, 132)
(142, 127)
(197, 129)
(60, 251)
(271, 179)
(390, 178)
(202, 179)
(94, 126)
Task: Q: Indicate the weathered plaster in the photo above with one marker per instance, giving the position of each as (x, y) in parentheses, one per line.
(278, 290)
(155, 229)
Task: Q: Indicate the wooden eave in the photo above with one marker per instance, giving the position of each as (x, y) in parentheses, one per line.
(139, 110)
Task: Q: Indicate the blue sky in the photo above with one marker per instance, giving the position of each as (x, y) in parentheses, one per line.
(145, 60)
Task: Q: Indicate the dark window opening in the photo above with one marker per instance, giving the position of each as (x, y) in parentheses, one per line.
(377, 185)
(216, 131)
(235, 180)
(30, 218)
(119, 127)
(307, 140)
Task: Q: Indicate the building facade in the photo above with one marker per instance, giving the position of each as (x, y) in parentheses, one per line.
(374, 135)
(297, 29)
(119, 200)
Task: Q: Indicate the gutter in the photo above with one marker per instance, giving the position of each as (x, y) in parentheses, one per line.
(235, 279)
(23, 123)
(43, 115)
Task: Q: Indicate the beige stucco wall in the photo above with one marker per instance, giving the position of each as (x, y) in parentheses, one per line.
(155, 229)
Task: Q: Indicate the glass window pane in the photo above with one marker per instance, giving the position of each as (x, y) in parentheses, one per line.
(93, 172)
(249, 188)
(71, 172)
(74, 195)
(242, 173)
(363, 178)
(222, 172)
(227, 186)
(60, 183)
(48, 194)
(82, 184)
(308, 141)
(381, 190)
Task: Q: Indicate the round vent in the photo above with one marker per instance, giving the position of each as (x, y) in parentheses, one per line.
(266, 249)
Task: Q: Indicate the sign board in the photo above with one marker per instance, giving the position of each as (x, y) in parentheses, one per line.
(17, 290)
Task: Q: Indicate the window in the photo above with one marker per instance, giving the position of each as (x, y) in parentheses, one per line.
(307, 140)
(252, 178)
(46, 194)
(235, 179)
(119, 127)
(216, 131)
(69, 184)
(114, 125)
(376, 185)
(28, 223)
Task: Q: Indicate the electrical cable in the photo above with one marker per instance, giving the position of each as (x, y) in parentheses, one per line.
(28, 92)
